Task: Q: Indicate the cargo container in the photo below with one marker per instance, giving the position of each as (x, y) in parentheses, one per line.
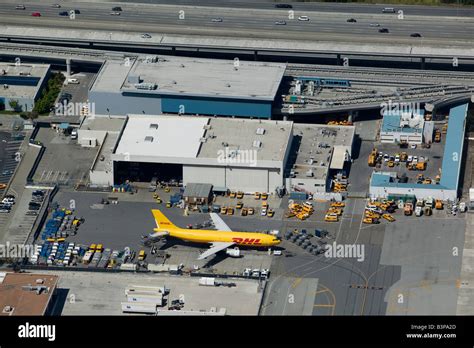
(298, 196)
(147, 308)
(158, 268)
(207, 281)
(132, 289)
(128, 267)
(156, 299)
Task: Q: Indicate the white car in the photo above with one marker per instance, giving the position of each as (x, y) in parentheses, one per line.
(303, 18)
(146, 36)
(115, 13)
(73, 81)
(415, 160)
(397, 158)
(413, 146)
(386, 157)
(264, 212)
(410, 158)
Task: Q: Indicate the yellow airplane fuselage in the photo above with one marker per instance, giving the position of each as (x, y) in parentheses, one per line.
(254, 239)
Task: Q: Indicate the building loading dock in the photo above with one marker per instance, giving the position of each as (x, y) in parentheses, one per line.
(180, 85)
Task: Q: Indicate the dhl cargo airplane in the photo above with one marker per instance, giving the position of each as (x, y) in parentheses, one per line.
(219, 239)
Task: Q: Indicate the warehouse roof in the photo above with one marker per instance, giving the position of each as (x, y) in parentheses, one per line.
(184, 76)
(22, 301)
(22, 81)
(162, 136)
(240, 140)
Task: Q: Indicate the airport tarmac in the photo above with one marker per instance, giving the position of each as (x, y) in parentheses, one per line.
(99, 293)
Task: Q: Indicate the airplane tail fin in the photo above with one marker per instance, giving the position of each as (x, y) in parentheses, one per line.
(162, 222)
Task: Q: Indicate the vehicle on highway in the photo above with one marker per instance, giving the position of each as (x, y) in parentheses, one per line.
(76, 11)
(56, 6)
(20, 7)
(388, 10)
(374, 25)
(116, 8)
(283, 6)
(36, 14)
(64, 13)
(280, 23)
(216, 20)
(303, 18)
(383, 30)
(352, 20)
(145, 36)
(415, 35)
(115, 13)
(7, 172)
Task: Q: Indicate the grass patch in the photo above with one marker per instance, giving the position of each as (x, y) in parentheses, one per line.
(49, 95)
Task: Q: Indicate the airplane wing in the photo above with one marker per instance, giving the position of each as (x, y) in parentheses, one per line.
(215, 247)
(219, 223)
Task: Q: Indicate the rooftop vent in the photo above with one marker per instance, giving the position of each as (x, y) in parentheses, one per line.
(146, 85)
(203, 140)
(7, 309)
(207, 126)
(153, 125)
(149, 139)
(182, 65)
(260, 131)
(227, 84)
(257, 143)
(309, 173)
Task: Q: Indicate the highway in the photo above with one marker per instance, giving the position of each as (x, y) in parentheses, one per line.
(254, 22)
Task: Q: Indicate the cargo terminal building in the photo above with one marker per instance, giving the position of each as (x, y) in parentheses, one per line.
(190, 86)
(230, 154)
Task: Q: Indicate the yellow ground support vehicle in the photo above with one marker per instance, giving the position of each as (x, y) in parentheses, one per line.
(264, 196)
(265, 205)
(240, 195)
(99, 248)
(239, 205)
(403, 157)
(141, 255)
(427, 181)
(391, 164)
(372, 158)
(408, 209)
(158, 200)
(368, 220)
(336, 211)
(156, 195)
(421, 166)
(92, 247)
(308, 210)
(230, 211)
(224, 210)
(168, 204)
(270, 213)
(257, 195)
(167, 189)
(302, 216)
(233, 194)
(331, 218)
(388, 217)
(371, 214)
(251, 211)
(439, 204)
(290, 214)
(244, 212)
(338, 204)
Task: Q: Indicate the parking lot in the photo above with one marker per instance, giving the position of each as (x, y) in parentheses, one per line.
(64, 161)
(9, 146)
(432, 156)
(98, 293)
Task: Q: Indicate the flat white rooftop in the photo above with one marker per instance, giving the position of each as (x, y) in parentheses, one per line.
(21, 81)
(162, 136)
(184, 76)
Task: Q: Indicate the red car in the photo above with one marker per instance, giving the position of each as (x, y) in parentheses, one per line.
(36, 14)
